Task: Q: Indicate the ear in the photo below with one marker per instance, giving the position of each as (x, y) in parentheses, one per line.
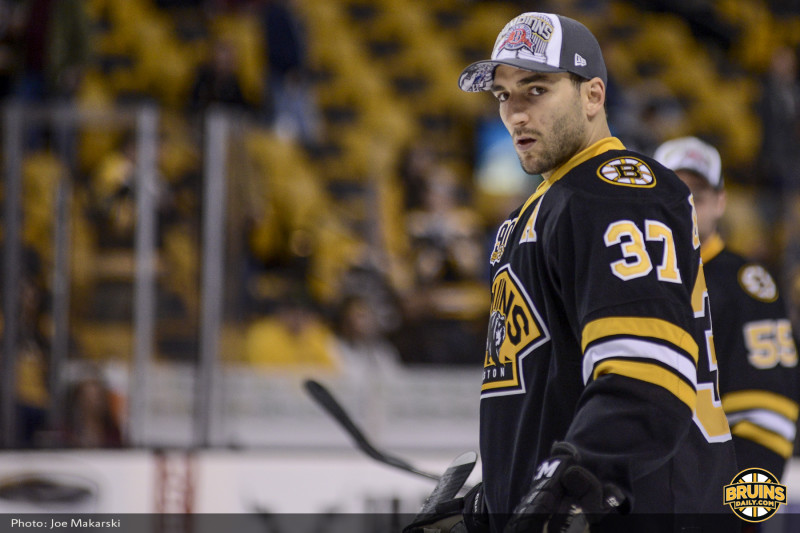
(595, 96)
(722, 200)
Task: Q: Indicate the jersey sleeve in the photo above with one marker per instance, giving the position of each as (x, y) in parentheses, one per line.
(632, 272)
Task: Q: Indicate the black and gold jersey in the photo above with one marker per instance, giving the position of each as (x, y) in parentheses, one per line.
(600, 335)
(758, 357)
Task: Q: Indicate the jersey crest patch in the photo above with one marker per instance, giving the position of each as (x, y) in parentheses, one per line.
(515, 330)
(756, 281)
(627, 171)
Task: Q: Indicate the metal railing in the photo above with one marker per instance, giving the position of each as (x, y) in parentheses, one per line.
(207, 400)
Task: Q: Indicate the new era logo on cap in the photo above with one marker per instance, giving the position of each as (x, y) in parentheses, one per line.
(539, 42)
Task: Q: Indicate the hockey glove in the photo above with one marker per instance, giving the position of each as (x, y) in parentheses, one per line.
(565, 497)
(459, 515)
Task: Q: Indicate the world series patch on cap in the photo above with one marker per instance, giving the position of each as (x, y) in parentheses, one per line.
(539, 42)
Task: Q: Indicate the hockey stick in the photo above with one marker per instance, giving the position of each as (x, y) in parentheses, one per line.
(325, 399)
(450, 483)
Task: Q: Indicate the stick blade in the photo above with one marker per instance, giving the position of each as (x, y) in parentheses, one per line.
(449, 483)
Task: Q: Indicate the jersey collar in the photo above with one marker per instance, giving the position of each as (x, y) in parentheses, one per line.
(603, 145)
(711, 248)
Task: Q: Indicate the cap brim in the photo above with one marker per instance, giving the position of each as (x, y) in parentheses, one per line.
(479, 76)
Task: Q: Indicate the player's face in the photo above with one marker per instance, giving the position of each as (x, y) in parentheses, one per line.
(544, 115)
(709, 203)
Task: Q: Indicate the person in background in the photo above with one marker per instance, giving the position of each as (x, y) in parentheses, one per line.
(293, 337)
(90, 420)
(445, 319)
(779, 112)
(33, 347)
(291, 99)
(216, 81)
(758, 373)
(360, 343)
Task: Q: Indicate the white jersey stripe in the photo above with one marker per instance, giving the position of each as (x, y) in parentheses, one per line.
(768, 420)
(628, 348)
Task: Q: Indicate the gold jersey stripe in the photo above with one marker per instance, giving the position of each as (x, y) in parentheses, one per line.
(649, 373)
(760, 399)
(772, 441)
(639, 327)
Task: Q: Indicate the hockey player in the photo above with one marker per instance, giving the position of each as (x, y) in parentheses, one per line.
(599, 395)
(753, 335)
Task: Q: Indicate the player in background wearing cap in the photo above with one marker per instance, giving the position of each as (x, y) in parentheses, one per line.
(753, 335)
(599, 394)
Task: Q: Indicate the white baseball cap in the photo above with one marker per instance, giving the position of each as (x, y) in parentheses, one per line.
(690, 153)
(539, 42)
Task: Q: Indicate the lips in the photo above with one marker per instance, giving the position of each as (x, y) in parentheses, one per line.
(524, 142)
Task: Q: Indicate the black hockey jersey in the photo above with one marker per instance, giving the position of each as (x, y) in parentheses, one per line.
(758, 358)
(600, 335)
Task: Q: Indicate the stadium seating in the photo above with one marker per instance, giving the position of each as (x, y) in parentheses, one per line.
(384, 76)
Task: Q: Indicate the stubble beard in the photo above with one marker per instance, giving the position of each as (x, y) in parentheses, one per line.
(568, 132)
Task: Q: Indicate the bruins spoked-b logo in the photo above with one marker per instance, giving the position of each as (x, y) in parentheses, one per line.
(515, 330)
(628, 171)
(754, 495)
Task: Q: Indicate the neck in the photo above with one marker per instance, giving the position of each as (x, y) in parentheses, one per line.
(597, 131)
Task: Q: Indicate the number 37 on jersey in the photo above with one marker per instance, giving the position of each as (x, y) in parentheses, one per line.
(637, 262)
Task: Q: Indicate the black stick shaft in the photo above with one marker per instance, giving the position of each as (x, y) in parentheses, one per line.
(325, 399)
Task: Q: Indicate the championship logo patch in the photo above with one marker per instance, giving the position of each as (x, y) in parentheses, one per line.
(757, 282)
(628, 171)
(754, 495)
(526, 36)
(515, 330)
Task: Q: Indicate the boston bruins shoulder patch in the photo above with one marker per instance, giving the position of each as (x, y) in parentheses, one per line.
(757, 282)
(627, 171)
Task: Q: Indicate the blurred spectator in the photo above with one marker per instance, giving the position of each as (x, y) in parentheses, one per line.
(444, 311)
(90, 419)
(112, 202)
(11, 23)
(446, 234)
(216, 81)
(650, 113)
(293, 105)
(55, 48)
(113, 193)
(702, 18)
(33, 348)
(415, 165)
(294, 337)
(779, 110)
(360, 342)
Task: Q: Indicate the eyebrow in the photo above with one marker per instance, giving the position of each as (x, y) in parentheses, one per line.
(535, 77)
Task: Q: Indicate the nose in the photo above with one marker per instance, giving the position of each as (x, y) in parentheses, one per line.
(516, 112)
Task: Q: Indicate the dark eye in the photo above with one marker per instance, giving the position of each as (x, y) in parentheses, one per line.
(537, 91)
(501, 97)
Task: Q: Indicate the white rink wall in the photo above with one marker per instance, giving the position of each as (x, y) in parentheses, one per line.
(238, 481)
(223, 481)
